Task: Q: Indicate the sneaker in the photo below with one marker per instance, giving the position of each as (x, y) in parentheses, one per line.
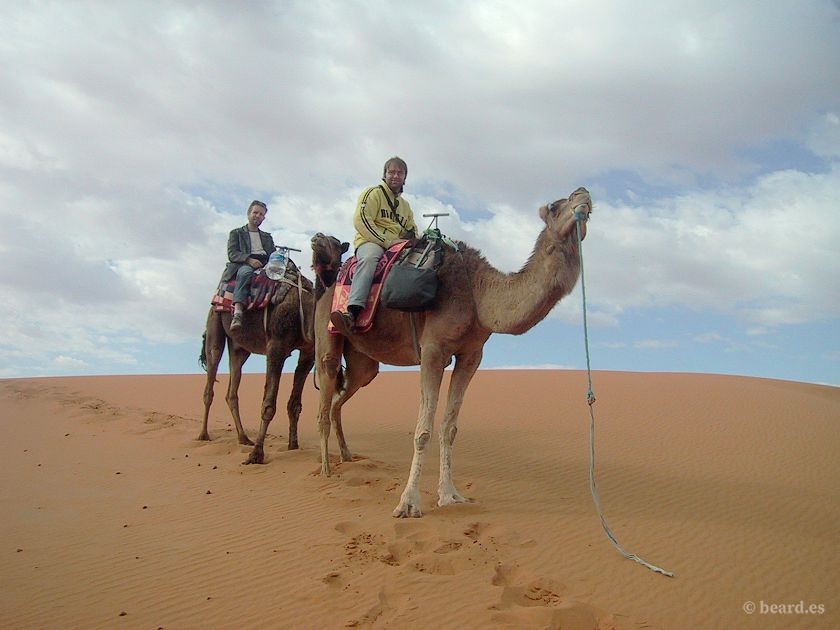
(345, 323)
(236, 322)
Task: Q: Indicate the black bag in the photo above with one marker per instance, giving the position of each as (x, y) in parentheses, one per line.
(409, 288)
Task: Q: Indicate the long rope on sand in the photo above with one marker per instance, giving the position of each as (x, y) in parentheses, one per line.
(581, 217)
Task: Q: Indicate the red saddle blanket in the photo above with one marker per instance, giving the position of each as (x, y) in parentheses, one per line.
(345, 281)
(262, 290)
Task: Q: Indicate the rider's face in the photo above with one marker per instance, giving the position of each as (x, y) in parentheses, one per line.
(395, 178)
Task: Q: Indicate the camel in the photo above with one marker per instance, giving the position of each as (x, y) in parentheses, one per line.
(287, 326)
(474, 300)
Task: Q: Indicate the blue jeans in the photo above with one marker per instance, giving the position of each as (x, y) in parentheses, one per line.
(367, 256)
(243, 284)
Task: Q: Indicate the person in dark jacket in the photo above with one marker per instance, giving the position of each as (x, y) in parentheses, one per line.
(248, 249)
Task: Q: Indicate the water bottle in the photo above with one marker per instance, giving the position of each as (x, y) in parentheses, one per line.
(276, 266)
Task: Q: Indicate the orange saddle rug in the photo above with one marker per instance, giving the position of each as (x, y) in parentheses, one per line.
(345, 281)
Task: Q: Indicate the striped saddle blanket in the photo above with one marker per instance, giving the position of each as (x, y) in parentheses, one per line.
(345, 281)
(263, 290)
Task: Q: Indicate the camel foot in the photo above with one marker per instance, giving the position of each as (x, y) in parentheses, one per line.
(244, 440)
(204, 436)
(451, 498)
(407, 511)
(293, 445)
(325, 468)
(409, 506)
(257, 456)
(346, 455)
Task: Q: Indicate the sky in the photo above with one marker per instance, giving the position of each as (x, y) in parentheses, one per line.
(133, 136)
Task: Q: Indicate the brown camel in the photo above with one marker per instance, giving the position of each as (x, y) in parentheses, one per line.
(285, 327)
(474, 300)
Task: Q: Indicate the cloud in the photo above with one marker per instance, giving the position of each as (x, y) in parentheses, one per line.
(63, 363)
(654, 344)
(135, 135)
(765, 252)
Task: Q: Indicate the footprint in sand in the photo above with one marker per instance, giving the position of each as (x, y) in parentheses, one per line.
(364, 547)
(539, 602)
(518, 590)
(442, 549)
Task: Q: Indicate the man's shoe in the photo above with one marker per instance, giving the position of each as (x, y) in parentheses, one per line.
(236, 322)
(345, 323)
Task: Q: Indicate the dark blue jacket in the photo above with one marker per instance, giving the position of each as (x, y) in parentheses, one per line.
(239, 250)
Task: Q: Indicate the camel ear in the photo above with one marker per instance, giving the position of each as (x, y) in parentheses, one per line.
(345, 247)
(544, 214)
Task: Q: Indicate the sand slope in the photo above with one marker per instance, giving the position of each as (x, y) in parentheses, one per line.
(115, 517)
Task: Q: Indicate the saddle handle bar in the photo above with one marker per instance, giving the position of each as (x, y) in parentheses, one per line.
(435, 216)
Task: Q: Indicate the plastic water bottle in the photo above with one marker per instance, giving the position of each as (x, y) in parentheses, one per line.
(276, 266)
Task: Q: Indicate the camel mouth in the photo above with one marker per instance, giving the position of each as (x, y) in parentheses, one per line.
(582, 210)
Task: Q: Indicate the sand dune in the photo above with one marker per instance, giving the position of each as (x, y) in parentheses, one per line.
(115, 517)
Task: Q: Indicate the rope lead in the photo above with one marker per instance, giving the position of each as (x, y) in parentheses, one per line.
(590, 399)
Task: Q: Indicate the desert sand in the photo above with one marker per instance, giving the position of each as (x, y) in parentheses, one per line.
(114, 516)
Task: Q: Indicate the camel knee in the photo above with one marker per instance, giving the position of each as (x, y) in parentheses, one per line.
(293, 408)
(447, 434)
(268, 413)
(329, 365)
(421, 440)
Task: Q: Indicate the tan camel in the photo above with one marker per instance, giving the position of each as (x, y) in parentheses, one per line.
(275, 335)
(474, 301)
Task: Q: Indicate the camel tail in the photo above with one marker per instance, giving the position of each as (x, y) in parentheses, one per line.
(202, 358)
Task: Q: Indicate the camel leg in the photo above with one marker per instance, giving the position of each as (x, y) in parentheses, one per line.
(431, 375)
(214, 347)
(306, 359)
(361, 370)
(276, 355)
(465, 367)
(328, 360)
(236, 358)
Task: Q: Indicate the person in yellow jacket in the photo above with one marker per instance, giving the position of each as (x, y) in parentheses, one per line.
(382, 217)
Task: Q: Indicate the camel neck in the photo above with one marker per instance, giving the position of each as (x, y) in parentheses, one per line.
(513, 303)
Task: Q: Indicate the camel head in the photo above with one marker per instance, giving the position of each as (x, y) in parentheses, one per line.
(560, 217)
(326, 253)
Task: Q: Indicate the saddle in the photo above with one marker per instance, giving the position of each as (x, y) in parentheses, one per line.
(397, 282)
(263, 291)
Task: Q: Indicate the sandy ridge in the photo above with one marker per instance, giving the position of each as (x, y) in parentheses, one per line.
(112, 507)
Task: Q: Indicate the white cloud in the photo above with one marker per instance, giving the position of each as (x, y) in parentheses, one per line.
(135, 135)
(63, 363)
(654, 344)
(766, 252)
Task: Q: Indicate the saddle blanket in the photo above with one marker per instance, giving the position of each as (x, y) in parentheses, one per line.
(345, 281)
(263, 289)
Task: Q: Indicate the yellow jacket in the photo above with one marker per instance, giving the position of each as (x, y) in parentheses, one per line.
(382, 217)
